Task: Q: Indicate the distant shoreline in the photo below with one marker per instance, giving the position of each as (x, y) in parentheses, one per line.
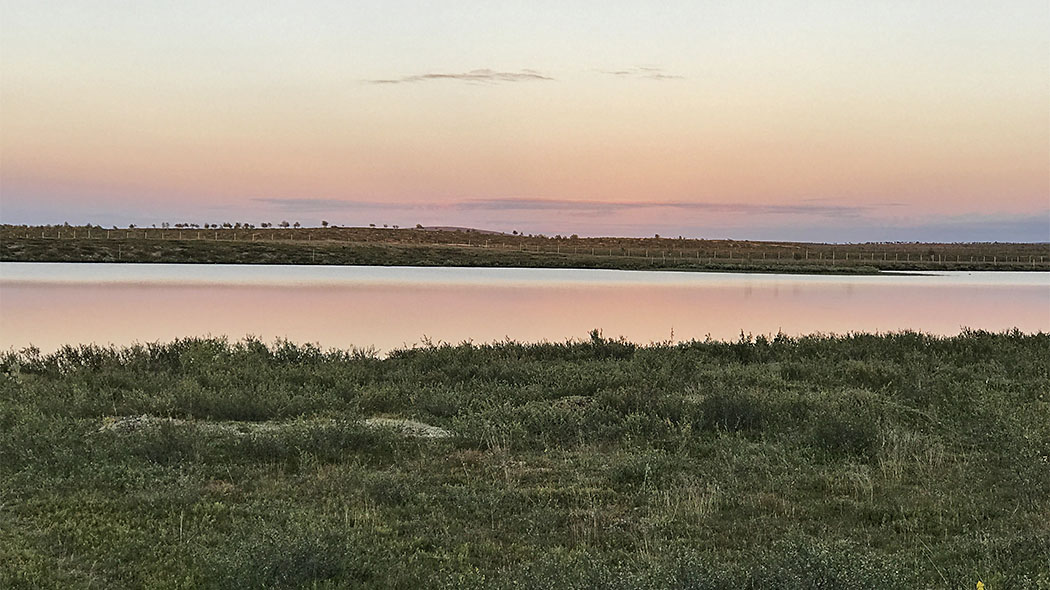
(470, 248)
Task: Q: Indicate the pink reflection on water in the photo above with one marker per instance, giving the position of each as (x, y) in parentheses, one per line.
(387, 316)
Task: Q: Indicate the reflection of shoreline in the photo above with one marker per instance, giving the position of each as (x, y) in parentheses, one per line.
(177, 275)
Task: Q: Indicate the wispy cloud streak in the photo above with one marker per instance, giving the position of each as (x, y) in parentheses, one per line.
(643, 72)
(311, 205)
(518, 204)
(567, 206)
(482, 76)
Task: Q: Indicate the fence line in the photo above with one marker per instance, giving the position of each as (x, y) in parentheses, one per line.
(805, 256)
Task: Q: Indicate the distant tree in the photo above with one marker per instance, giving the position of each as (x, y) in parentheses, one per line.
(296, 224)
(419, 226)
(324, 223)
(371, 225)
(165, 225)
(284, 224)
(574, 237)
(131, 226)
(397, 227)
(385, 225)
(657, 236)
(237, 225)
(515, 232)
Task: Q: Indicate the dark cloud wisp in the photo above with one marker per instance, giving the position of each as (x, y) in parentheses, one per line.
(568, 206)
(482, 76)
(519, 204)
(322, 205)
(643, 72)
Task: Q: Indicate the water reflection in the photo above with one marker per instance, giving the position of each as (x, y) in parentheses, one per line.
(52, 305)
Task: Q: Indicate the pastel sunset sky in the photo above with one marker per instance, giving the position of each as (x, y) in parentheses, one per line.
(823, 120)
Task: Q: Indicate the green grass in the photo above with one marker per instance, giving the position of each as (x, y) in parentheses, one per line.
(862, 461)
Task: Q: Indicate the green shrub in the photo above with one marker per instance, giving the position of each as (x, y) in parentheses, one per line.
(732, 411)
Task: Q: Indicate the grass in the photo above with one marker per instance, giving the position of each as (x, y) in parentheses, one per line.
(861, 461)
(411, 247)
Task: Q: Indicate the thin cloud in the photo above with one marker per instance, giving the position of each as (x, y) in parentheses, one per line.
(321, 205)
(482, 76)
(643, 72)
(881, 204)
(518, 204)
(565, 206)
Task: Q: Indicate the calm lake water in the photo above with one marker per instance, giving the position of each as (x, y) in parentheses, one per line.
(48, 305)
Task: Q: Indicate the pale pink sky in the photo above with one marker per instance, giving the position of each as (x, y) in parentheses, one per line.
(839, 121)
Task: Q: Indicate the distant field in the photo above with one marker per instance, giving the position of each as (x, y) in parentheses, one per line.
(859, 462)
(420, 247)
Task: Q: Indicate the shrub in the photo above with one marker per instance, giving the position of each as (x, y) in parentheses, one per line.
(732, 412)
(846, 436)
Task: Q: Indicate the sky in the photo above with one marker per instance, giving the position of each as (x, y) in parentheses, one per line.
(820, 120)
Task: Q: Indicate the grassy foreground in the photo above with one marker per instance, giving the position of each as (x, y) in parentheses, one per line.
(864, 461)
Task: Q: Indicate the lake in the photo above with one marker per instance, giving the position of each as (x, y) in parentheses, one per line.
(51, 304)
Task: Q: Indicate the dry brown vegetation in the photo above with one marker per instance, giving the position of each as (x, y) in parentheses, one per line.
(426, 247)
